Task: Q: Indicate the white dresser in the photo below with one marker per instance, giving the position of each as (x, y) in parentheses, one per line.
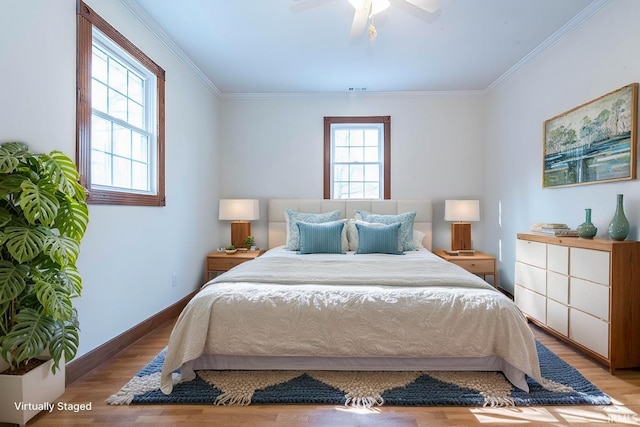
(586, 292)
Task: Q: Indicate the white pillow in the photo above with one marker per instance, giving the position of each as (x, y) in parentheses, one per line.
(418, 236)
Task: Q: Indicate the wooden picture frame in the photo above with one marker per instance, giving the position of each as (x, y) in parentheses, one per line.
(594, 142)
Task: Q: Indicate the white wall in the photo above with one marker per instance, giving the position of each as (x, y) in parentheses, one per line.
(273, 147)
(596, 58)
(129, 253)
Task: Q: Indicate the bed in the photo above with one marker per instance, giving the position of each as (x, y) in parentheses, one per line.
(357, 308)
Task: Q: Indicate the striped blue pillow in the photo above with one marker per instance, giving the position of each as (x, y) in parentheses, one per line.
(378, 239)
(323, 238)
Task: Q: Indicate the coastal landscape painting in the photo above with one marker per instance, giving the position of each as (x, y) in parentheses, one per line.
(594, 142)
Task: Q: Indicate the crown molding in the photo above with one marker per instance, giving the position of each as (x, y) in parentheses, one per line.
(575, 22)
(156, 30)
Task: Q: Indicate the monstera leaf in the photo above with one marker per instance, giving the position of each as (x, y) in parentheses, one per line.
(43, 217)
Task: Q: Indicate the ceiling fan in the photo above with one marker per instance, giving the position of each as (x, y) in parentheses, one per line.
(365, 10)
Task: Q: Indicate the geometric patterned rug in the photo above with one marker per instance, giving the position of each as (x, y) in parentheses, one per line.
(563, 385)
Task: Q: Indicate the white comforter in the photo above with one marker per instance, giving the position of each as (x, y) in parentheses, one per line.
(412, 305)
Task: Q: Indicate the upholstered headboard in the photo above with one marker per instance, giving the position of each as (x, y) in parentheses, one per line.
(277, 222)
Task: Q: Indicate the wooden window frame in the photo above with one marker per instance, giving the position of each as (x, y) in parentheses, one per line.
(386, 121)
(86, 20)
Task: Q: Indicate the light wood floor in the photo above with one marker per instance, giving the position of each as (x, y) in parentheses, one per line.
(94, 387)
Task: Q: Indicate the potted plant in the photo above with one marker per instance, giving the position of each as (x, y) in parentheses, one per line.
(230, 249)
(249, 242)
(43, 217)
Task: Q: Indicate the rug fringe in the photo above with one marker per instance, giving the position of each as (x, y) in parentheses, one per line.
(234, 399)
(363, 401)
(555, 386)
(138, 385)
(498, 401)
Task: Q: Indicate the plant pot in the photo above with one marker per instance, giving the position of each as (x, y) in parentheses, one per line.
(31, 392)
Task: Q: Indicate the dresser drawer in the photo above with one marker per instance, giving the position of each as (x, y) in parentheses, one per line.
(558, 317)
(589, 297)
(531, 277)
(558, 259)
(534, 253)
(532, 304)
(589, 264)
(485, 266)
(558, 287)
(589, 331)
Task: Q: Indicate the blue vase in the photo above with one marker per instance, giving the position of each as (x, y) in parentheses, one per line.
(587, 230)
(619, 225)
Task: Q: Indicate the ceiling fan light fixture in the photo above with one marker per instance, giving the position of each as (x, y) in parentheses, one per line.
(377, 6)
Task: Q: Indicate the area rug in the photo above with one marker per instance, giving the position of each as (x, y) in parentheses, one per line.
(563, 385)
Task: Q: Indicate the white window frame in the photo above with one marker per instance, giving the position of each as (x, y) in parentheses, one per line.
(114, 52)
(352, 129)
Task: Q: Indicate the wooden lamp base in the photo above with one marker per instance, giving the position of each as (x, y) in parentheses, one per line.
(460, 236)
(239, 231)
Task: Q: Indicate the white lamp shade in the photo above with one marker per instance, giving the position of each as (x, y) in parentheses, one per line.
(462, 210)
(239, 210)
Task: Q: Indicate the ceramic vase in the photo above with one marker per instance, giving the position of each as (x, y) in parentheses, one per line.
(587, 230)
(619, 225)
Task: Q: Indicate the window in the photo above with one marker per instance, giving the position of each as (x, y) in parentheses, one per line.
(357, 157)
(120, 117)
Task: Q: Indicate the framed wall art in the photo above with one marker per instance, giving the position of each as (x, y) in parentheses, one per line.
(594, 142)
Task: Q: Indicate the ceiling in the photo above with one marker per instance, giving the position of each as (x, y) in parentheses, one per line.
(263, 47)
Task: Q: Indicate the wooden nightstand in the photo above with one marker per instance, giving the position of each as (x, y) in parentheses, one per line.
(479, 263)
(219, 262)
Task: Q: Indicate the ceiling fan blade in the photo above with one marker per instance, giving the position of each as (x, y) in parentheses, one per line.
(360, 18)
(302, 5)
(430, 6)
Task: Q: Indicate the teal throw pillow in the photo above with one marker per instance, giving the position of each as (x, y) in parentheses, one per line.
(383, 239)
(323, 238)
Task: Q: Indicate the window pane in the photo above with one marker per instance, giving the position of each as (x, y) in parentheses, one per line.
(136, 88)
(341, 154)
(371, 154)
(135, 114)
(99, 64)
(117, 76)
(371, 138)
(372, 173)
(121, 141)
(371, 190)
(98, 96)
(341, 173)
(356, 154)
(121, 172)
(140, 176)
(139, 148)
(357, 173)
(100, 134)
(356, 190)
(341, 190)
(100, 168)
(117, 105)
(341, 138)
(356, 138)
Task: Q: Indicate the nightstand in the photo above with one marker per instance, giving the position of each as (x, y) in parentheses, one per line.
(219, 262)
(479, 263)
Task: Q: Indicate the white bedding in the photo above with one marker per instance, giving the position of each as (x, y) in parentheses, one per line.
(411, 306)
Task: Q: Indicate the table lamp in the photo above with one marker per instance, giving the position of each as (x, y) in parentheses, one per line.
(239, 212)
(461, 212)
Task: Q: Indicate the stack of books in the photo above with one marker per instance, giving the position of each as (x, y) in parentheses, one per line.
(553, 229)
